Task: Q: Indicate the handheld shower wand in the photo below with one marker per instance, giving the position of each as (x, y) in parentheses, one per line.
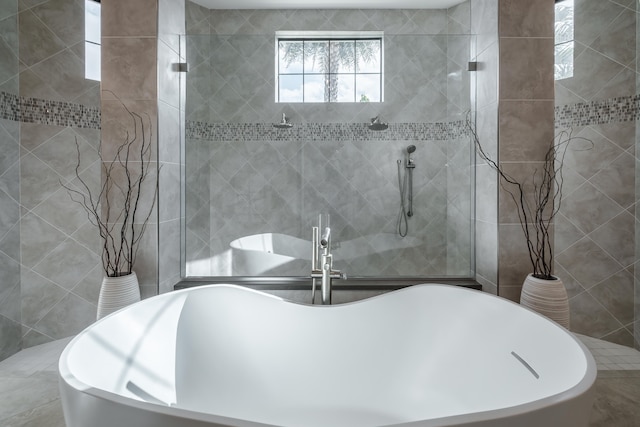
(410, 165)
(405, 185)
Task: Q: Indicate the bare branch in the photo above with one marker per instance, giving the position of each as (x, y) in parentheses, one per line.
(121, 192)
(536, 220)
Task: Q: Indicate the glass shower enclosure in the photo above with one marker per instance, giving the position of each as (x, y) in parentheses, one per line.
(399, 194)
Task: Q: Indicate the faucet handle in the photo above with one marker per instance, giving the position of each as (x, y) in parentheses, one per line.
(326, 236)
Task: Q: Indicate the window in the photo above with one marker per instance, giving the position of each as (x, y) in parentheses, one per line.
(334, 67)
(92, 39)
(564, 39)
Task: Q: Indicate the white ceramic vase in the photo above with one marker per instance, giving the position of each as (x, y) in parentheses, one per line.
(547, 297)
(116, 293)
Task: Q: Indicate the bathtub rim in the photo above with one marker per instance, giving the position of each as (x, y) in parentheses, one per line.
(68, 383)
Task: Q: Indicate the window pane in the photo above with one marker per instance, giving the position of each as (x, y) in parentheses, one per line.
(316, 56)
(367, 87)
(368, 56)
(329, 70)
(290, 88)
(315, 88)
(92, 21)
(564, 60)
(290, 57)
(342, 57)
(345, 87)
(564, 21)
(91, 61)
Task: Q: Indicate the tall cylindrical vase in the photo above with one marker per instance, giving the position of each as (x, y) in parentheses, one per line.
(116, 293)
(547, 297)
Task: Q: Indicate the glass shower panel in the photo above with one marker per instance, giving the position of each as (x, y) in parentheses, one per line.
(254, 190)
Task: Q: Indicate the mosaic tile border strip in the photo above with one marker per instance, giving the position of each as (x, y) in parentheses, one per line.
(613, 110)
(325, 132)
(48, 112)
(61, 113)
(9, 106)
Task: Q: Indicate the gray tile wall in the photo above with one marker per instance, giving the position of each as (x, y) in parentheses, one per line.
(595, 243)
(10, 316)
(525, 121)
(48, 251)
(250, 183)
(61, 269)
(130, 60)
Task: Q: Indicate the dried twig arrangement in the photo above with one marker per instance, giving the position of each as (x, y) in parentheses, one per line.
(540, 202)
(115, 208)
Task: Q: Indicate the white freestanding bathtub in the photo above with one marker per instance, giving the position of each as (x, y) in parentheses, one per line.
(427, 355)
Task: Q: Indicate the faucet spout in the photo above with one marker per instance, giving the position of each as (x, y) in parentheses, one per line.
(322, 264)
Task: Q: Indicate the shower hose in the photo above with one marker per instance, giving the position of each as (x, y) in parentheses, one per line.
(403, 223)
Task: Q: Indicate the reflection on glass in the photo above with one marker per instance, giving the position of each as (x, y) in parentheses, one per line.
(316, 56)
(92, 21)
(290, 88)
(367, 56)
(367, 87)
(563, 67)
(343, 56)
(290, 57)
(564, 21)
(564, 30)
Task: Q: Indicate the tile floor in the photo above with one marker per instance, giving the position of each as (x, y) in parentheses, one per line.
(29, 386)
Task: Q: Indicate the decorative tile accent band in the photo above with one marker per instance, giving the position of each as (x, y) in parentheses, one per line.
(325, 132)
(612, 110)
(9, 106)
(61, 113)
(44, 111)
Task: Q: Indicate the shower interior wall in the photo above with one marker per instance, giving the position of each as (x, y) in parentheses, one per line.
(244, 177)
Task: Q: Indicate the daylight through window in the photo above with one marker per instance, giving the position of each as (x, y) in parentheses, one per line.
(92, 39)
(564, 40)
(329, 69)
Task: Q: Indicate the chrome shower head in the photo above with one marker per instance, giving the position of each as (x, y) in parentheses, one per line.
(284, 124)
(411, 149)
(376, 124)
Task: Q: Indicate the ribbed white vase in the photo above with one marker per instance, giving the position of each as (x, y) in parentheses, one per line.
(116, 293)
(547, 297)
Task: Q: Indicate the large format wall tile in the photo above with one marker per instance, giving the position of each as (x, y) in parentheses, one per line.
(58, 249)
(64, 17)
(524, 19)
(37, 42)
(11, 337)
(128, 61)
(64, 72)
(131, 19)
(524, 65)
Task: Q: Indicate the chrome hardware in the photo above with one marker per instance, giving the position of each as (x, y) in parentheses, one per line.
(322, 264)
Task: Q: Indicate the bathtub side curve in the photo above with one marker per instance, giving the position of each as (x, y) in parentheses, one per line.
(87, 405)
(96, 408)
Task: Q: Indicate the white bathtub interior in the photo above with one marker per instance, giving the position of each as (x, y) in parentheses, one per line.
(386, 360)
